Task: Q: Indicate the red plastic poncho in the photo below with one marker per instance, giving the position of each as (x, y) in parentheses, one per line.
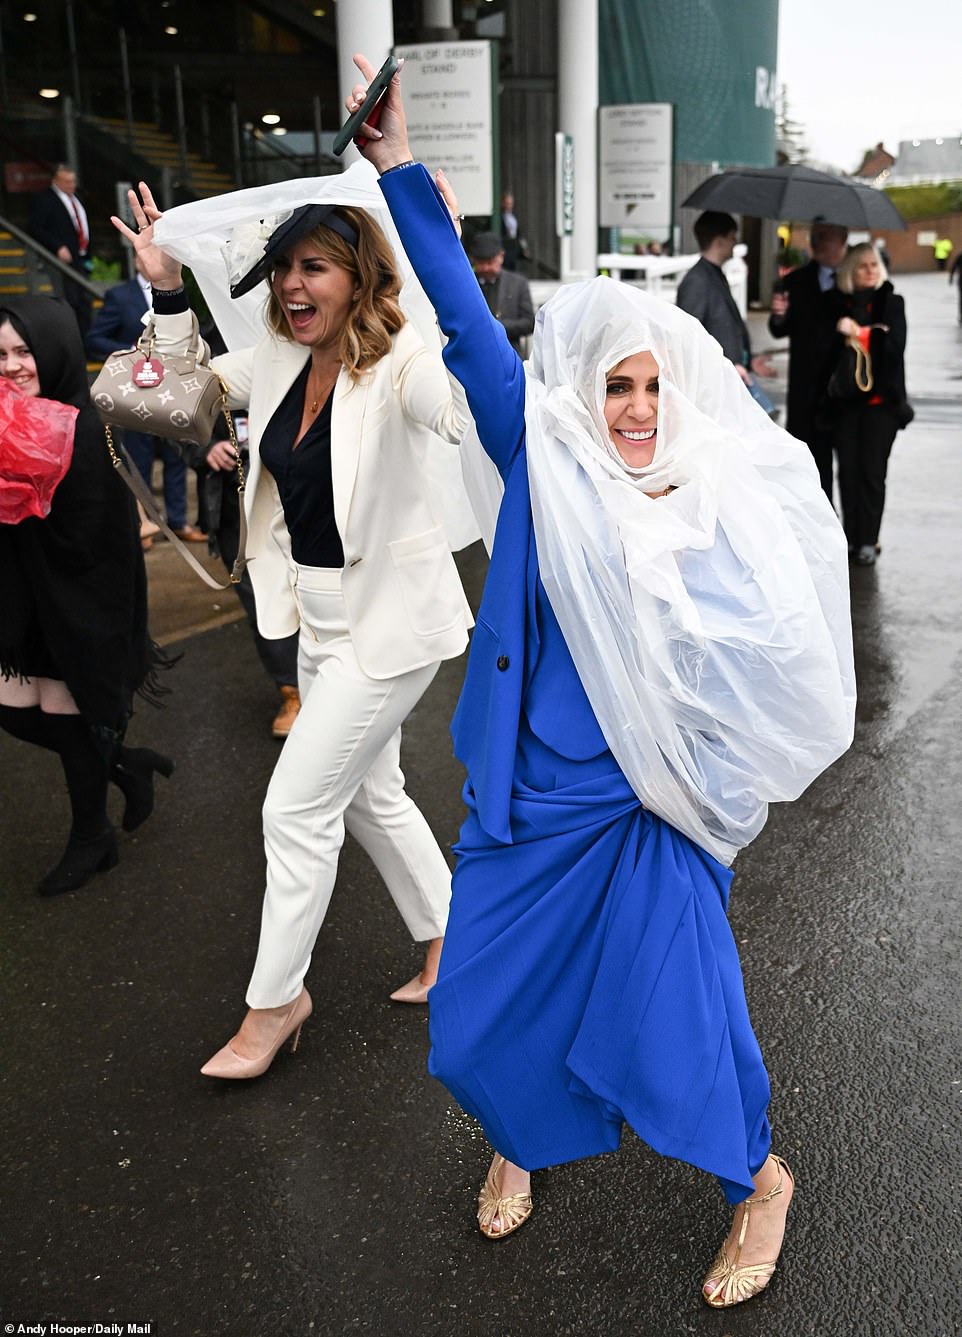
(36, 447)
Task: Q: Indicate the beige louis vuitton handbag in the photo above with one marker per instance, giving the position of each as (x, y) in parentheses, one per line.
(175, 396)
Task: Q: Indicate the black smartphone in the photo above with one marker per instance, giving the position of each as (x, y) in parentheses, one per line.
(378, 87)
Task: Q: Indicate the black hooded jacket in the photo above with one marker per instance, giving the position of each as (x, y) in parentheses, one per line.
(73, 589)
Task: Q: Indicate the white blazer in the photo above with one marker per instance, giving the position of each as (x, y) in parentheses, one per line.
(405, 604)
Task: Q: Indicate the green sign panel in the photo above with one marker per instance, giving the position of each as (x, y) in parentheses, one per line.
(712, 59)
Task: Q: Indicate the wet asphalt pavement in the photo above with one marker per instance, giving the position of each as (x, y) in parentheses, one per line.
(336, 1194)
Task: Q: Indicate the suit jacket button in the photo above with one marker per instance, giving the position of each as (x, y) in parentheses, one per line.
(503, 662)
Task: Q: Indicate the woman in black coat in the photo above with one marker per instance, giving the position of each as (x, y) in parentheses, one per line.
(865, 415)
(74, 646)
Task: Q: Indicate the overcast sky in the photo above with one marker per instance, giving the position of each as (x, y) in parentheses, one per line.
(857, 74)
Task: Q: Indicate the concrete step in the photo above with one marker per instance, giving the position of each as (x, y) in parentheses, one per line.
(23, 289)
(162, 149)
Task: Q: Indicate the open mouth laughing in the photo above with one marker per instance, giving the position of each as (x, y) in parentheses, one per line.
(300, 314)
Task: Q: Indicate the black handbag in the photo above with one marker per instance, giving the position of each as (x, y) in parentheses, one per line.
(904, 413)
(852, 377)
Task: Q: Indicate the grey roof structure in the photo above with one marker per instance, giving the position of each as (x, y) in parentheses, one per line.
(927, 161)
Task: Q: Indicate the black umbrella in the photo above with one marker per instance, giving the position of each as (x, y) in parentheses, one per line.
(796, 193)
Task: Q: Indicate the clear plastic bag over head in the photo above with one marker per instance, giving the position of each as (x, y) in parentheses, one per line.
(36, 447)
(711, 626)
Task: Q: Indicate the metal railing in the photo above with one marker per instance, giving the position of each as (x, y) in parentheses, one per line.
(660, 274)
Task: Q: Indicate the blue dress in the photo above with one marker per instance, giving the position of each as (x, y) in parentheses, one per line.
(589, 975)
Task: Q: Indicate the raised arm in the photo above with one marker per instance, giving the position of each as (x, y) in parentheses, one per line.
(478, 353)
(175, 325)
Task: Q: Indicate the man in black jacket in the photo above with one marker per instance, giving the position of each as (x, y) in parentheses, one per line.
(507, 294)
(704, 293)
(802, 312)
(58, 221)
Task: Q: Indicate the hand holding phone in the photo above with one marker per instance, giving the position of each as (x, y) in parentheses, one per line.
(369, 112)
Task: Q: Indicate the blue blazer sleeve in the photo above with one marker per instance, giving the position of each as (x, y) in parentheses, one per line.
(118, 322)
(478, 353)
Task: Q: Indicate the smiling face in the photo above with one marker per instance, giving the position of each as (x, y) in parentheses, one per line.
(631, 408)
(16, 361)
(315, 294)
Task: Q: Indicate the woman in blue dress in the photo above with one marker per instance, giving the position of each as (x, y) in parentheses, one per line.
(662, 647)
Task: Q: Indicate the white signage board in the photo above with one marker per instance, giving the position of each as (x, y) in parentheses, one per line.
(635, 166)
(447, 97)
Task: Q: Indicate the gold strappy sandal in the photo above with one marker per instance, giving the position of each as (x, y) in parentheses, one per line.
(511, 1212)
(736, 1284)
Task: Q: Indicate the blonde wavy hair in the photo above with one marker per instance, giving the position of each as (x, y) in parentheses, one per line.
(376, 315)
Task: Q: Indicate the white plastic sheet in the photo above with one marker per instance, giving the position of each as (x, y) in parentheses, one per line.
(710, 627)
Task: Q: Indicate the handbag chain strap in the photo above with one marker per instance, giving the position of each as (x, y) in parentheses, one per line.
(142, 492)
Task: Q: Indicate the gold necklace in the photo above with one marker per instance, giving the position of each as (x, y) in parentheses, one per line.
(316, 402)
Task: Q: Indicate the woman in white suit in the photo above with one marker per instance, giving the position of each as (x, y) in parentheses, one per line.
(343, 543)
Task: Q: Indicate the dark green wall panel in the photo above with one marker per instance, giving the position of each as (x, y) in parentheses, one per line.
(703, 56)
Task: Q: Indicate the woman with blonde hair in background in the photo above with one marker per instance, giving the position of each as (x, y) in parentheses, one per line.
(868, 406)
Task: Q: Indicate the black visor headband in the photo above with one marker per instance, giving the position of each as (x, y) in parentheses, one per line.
(301, 224)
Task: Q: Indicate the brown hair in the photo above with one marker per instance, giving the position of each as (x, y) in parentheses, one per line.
(377, 314)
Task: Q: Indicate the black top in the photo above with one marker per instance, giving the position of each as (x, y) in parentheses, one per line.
(303, 476)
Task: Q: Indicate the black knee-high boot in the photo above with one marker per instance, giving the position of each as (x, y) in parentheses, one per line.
(27, 723)
(92, 846)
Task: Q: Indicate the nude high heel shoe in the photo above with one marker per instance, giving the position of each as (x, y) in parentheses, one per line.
(417, 990)
(228, 1064)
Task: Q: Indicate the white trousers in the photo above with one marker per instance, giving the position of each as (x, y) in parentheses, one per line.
(340, 767)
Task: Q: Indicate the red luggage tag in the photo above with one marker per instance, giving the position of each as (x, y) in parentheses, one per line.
(147, 373)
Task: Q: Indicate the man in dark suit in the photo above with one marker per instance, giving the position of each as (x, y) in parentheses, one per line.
(119, 324)
(507, 295)
(515, 246)
(704, 293)
(803, 313)
(58, 221)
